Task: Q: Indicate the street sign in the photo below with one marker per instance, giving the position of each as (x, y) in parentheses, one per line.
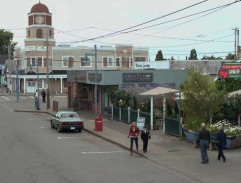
(141, 122)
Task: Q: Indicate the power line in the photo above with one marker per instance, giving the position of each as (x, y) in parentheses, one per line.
(113, 33)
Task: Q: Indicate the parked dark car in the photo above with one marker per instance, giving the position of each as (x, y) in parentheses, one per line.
(67, 120)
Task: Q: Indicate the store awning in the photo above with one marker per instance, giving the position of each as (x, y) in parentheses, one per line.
(158, 91)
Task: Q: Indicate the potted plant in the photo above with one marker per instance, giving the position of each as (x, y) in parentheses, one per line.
(233, 133)
(201, 100)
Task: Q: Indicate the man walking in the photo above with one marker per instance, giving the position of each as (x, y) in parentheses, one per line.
(204, 141)
(43, 94)
(75, 104)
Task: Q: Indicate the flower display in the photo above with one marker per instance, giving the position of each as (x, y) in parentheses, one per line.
(229, 129)
(122, 103)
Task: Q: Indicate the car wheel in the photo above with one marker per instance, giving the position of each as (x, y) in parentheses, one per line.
(51, 124)
(59, 129)
(80, 130)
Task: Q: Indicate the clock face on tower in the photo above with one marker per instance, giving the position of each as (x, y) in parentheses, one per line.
(39, 19)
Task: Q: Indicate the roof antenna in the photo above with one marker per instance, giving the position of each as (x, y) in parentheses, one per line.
(39, 2)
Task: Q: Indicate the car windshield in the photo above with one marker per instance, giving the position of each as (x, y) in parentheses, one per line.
(69, 115)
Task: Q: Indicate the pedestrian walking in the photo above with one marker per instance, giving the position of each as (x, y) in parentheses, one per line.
(133, 135)
(221, 143)
(204, 141)
(43, 94)
(36, 95)
(145, 136)
(75, 104)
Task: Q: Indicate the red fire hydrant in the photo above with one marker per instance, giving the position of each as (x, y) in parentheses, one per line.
(99, 123)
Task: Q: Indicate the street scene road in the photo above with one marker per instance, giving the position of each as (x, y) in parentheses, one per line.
(33, 152)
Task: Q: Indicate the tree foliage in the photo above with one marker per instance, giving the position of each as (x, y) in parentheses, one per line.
(6, 38)
(120, 98)
(202, 98)
(228, 85)
(230, 56)
(193, 55)
(159, 56)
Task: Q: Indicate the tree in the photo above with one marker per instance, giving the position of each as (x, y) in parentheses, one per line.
(6, 38)
(120, 98)
(159, 56)
(230, 56)
(201, 99)
(193, 55)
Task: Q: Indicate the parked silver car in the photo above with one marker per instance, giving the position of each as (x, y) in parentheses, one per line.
(67, 120)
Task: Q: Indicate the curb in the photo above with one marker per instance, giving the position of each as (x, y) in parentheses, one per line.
(89, 131)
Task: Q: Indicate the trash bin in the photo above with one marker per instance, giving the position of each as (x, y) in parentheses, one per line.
(99, 123)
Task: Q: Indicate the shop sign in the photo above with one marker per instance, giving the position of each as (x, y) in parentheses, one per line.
(91, 77)
(230, 70)
(81, 77)
(137, 77)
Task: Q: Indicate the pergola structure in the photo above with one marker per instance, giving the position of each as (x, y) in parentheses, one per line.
(156, 92)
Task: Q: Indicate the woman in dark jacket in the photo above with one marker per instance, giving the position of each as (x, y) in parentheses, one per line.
(221, 143)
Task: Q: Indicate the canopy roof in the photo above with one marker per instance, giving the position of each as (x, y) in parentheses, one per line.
(158, 91)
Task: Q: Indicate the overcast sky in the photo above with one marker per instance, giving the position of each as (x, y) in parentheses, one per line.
(77, 21)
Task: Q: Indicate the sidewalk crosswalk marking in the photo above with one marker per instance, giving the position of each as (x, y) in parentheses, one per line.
(106, 152)
(4, 98)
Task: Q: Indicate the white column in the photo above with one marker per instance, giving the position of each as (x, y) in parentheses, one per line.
(61, 85)
(151, 103)
(24, 85)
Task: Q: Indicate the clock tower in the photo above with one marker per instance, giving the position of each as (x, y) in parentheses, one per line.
(39, 32)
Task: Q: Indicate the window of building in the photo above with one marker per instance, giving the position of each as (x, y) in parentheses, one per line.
(118, 61)
(50, 33)
(108, 61)
(67, 61)
(39, 61)
(28, 62)
(39, 33)
(87, 61)
(33, 62)
(28, 33)
(130, 62)
(140, 59)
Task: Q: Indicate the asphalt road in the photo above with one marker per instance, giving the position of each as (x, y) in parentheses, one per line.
(32, 152)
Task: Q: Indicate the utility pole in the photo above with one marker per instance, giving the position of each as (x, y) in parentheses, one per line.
(235, 44)
(9, 69)
(47, 63)
(17, 80)
(238, 51)
(95, 92)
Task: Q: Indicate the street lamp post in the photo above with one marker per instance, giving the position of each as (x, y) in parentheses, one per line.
(38, 105)
(17, 81)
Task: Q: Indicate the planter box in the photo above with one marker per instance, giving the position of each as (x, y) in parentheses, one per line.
(190, 135)
(233, 142)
